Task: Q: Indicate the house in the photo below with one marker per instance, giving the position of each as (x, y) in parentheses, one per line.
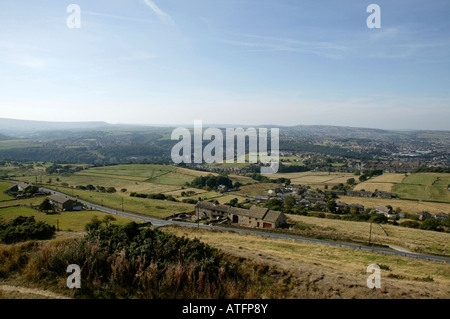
(360, 208)
(382, 194)
(261, 199)
(256, 217)
(12, 189)
(441, 216)
(424, 215)
(304, 202)
(61, 203)
(340, 206)
(360, 193)
(23, 187)
(19, 187)
(385, 211)
(222, 188)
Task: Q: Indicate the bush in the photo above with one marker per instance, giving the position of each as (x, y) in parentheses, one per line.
(124, 261)
(431, 224)
(317, 214)
(410, 224)
(25, 228)
(378, 218)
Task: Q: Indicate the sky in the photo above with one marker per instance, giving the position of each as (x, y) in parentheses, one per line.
(242, 62)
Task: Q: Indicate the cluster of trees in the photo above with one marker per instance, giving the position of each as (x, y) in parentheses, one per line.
(292, 168)
(428, 224)
(432, 170)
(25, 228)
(213, 182)
(264, 179)
(61, 168)
(99, 188)
(368, 174)
(154, 196)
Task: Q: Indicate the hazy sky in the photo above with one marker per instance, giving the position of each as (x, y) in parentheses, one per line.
(279, 62)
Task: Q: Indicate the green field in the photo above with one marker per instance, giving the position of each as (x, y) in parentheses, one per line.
(4, 186)
(19, 143)
(74, 221)
(146, 171)
(424, 186)
(144, 206)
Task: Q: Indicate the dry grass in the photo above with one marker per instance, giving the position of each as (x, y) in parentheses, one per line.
(372, 187)
(314, 179)
(416, 240)
(321, 271)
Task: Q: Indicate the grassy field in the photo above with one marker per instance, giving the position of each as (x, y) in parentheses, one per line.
(415, 240)
(384, 182)
(67, 221)
(315, 179)
(334, 272)
(144, 206)
(424, 186)
(255, 189)
(18, 143)
(4, 186)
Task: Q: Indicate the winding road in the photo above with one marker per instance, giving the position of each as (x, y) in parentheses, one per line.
(160, 222)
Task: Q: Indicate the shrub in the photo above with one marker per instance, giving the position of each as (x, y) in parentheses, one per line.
(431, 224)
(410, 224)
(124, 261)
(25, 228)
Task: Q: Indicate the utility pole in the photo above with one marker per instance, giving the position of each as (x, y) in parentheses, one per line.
(122, 204)
(370, 236)
(198, 215)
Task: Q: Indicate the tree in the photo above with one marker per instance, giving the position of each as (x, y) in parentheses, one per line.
(289, 202)
(273, 204)
(378, 218)
(331, 206)
(108, 219)
(233, 202)
(351, 181)
(46, 205)
(93, 224)
(111, 190)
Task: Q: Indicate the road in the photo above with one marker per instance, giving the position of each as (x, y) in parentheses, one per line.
(160, 222)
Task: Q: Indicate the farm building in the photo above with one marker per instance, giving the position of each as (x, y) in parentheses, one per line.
(256, 217)
(385, 211)
(65, 204)
(441, 216)
(19, 187)
(424, 215)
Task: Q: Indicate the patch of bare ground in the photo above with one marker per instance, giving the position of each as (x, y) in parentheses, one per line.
(13, 289)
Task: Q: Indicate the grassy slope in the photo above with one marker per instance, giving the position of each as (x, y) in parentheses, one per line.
(329, 272)
(417, 240)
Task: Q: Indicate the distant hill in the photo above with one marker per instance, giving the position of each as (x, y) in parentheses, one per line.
(5, 137)
(26, 128)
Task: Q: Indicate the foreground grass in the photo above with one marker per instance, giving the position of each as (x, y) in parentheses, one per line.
(339, 266)
(164, 266)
